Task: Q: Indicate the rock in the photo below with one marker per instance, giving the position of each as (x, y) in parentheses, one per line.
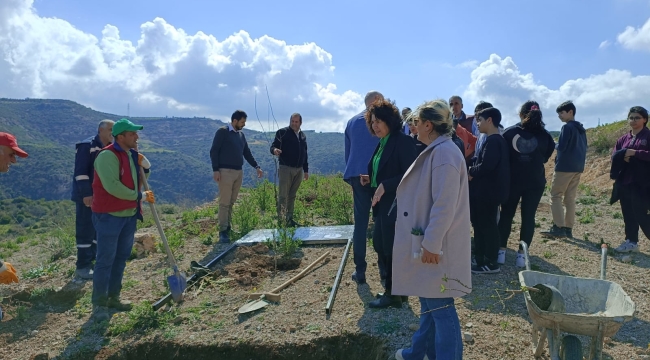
(34, 332)
(468, 337)
(469, 325)
(41, 356)
(414, 327)
(292, 329)
(644, 357)
(626, 259)
(144, 244)
(316, 282)
(178, 320)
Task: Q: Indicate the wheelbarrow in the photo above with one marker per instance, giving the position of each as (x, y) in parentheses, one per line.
(596, 308)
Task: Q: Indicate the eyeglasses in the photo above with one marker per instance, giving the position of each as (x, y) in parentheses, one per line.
(634, 118)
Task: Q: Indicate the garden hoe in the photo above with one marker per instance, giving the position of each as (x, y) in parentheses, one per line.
(178, 281)
(262, 298)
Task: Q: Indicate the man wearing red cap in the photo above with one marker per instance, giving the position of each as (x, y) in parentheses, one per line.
(8, 151)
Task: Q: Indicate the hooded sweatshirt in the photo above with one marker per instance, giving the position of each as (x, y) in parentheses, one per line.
(571, 148)
(529, 151)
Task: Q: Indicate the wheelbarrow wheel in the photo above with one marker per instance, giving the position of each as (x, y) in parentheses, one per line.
(571, 348)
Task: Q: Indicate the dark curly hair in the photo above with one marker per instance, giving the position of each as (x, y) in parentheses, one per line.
(384, 110)
(531, 116)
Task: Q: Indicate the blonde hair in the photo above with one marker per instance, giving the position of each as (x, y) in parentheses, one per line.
(436, 112)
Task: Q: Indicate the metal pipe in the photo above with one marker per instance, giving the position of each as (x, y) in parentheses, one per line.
(337, 280)
(603, 261)
(194, 278)
(525, 247)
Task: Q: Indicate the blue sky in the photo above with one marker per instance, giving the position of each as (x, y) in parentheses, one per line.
(501, 51)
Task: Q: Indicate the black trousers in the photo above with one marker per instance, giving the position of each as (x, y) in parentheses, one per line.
(483, 215)
(530, 199)
(383, 237)
(634, 205)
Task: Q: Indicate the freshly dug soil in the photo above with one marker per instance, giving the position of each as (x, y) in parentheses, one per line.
(252, 264)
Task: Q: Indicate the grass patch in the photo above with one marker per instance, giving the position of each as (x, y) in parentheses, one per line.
(141, 319)
(587, 216)
(41, 270)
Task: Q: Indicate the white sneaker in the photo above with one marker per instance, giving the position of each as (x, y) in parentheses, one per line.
(501, 258)
(628, 246)
(521, 260)
(398, 355)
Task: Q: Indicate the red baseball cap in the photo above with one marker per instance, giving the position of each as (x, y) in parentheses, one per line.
(9, 140)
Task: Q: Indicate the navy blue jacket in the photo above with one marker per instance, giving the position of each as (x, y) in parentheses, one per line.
(571, 148)
(85, 154)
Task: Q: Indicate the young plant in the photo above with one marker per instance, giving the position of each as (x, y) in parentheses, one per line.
(417, 231)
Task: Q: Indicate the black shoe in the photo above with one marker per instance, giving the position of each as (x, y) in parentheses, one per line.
(568, 232)
(405, 298)
(554, 232)
(486, 269)
(224, 238)
(359, 278)
(386, 301)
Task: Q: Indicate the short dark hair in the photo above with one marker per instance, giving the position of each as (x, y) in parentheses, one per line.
(482, 105)
(386, 111)
(238, 115)
(641, 111)
(566, 106)
(490, 112)
(296, 114)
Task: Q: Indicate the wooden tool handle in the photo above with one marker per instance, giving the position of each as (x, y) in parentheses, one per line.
(301, 274)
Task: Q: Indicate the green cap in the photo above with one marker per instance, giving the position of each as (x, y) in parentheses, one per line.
(123, 125)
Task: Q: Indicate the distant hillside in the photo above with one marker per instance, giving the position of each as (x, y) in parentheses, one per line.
(177, 147)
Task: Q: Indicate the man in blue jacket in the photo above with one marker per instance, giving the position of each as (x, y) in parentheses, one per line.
(82, 195)
(359, 147)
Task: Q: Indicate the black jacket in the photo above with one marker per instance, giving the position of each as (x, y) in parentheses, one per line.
(420, 146)
(528, 153)
(398, 155)
(294, 148)
(227, 150)
(491, 171)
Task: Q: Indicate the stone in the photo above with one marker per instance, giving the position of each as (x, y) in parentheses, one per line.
(144, 245)
(316, 282)
(469, 325)
(34, 332)
(292, 329)
(468, 337)
(414, 327)
(626, 259)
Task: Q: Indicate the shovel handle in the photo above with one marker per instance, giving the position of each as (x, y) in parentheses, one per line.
(301, 274)
(170, 256)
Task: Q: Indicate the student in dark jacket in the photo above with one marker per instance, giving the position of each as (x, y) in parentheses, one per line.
(634, 179)
(290, 145)
(489, 182)
(392, 157)
(569, 165)
(228, 151)
(530, 147)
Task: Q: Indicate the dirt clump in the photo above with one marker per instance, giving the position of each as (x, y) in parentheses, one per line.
(253, 263)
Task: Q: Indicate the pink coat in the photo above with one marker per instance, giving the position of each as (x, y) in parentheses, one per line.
(434, 196)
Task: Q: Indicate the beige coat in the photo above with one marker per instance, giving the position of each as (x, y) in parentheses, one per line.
(434, 196)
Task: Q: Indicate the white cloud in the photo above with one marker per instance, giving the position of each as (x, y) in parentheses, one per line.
(605, 44)
(606, 96)
(636, 39)
(167, 71)
(469, 64)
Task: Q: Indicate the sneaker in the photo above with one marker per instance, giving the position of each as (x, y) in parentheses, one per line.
(501, 258)
(224, 238)
(359, 278)
(85, 273)
(521, 260)
(398, 355)
(554, 232)
(119, 305)
(628, 246)
(568, 232)
(100, 313)
(486, 269)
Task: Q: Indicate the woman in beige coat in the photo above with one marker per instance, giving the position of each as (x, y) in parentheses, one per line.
(433, 200)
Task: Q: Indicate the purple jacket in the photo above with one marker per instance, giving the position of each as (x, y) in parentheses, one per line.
(638, 169)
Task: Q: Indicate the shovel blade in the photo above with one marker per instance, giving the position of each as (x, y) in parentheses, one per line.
(252, 306)
(177, 285)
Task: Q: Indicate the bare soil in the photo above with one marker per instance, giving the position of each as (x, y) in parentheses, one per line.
(55, 323)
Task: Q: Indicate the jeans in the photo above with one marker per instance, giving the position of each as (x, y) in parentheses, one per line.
(362, 199)
(114, 242)
(483, 213)
(439, 334)
(85, 236)
(634, 207)
(530, 199)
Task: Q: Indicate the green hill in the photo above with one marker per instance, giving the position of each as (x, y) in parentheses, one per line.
(177, 147)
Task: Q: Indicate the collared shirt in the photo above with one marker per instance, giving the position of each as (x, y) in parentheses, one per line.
(376, 159)
(232, 128)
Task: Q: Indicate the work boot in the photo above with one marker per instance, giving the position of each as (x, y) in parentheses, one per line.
(100, 313)
(568, 232)
(405, 299)
(119, 305)
(85, 273)
(224, 238)
(386, 300)
(554, 232)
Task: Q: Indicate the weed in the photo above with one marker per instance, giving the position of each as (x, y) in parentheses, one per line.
(141, 318)
(284, 241)
(617, 215)
(586, 189)
(40, 293)
(40, 271)
(10, 245)
(588, 200)
(129, 284)
(245, 217)
(61, 243)
(548, 255)
(579, 258)
(22, 313)
(207, 239)
(388, 326)
(587, 216)
(312, 327)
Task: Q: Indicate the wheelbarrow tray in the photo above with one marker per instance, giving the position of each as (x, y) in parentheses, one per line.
(590, 303)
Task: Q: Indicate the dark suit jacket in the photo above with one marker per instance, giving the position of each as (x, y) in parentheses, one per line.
(398, 155)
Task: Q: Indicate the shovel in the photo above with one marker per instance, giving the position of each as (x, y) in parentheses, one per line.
(273, 295)
(178, 281)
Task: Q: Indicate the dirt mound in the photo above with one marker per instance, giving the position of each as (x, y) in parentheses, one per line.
(251, 264)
